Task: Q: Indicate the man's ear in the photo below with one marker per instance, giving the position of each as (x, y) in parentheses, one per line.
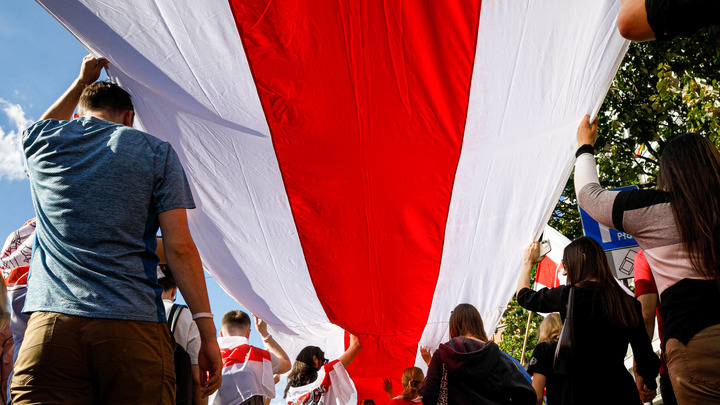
(128, 118)
(316, 362)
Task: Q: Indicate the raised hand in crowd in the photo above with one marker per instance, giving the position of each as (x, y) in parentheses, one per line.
(351, 352)
(62, 109)
(387, 387)
(425, 353)
(587, 133)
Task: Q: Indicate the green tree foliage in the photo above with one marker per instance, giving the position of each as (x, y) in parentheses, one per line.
(516, 318)
(661, 90)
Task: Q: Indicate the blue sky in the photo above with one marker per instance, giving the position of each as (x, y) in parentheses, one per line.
(39, 60)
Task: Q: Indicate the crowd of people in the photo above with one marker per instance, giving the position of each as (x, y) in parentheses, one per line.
(97, 323)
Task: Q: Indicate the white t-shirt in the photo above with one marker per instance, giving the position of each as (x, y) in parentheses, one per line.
(186, 331)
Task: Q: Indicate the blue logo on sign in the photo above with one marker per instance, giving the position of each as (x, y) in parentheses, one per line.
(608, 238)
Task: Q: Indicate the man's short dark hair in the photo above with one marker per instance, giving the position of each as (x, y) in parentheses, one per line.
(236, 319)
(167, 282)
(105, 96)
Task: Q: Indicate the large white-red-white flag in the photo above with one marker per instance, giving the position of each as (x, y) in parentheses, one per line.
(364, 165)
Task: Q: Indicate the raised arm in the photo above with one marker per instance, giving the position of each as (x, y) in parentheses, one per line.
(273, 347)
(530, 257)
(387, 387)
(425, 354)
(183, 258)
(595, 200)
(63, 108)
(430, 388)
(351, 352)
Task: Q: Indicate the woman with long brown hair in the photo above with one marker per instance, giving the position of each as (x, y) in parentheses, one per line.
(678, 227)
(470, 369)
(605, 320)
(312, 375)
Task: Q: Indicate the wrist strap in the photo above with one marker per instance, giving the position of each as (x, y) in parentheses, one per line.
(587, 148)
(266, 338)
(202, 315)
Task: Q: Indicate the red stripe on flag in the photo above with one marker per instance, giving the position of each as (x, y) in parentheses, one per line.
(243, 354)
(366, 102)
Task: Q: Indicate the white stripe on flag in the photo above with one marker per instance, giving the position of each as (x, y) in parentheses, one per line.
(535, 76)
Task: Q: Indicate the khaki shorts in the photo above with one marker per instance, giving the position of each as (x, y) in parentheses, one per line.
(694, 368)
(67, 359)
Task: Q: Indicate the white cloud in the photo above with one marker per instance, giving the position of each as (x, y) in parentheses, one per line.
(11, 156)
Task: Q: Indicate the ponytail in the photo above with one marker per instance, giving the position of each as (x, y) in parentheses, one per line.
(412, 379)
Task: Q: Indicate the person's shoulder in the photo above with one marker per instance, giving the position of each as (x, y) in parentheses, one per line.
(464, 345)
(150, 139)
(543, 348)
(43, 126)
(542, 358)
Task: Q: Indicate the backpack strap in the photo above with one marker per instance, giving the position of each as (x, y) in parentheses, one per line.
(174, 316)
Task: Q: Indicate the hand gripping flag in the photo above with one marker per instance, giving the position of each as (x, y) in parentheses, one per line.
(364, 165)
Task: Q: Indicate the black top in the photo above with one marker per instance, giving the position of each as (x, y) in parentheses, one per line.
(542, 363)
(688, 307)
(670, 19)
(597, 370)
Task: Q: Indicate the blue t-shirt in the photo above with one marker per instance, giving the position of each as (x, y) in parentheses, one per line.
(98, 188)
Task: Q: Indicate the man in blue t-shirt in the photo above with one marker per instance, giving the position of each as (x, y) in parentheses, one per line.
(98, 332)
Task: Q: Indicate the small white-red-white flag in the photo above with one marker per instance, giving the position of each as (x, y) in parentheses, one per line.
(332, 387)
(247, 372)
(549, 270)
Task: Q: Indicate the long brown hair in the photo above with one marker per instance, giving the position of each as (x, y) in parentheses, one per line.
(303, 370)
(412, 379)
(690, 177)
(585, 261)
(465, 319)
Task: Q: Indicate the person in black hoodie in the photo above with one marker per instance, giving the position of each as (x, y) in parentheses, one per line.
(469, 369)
